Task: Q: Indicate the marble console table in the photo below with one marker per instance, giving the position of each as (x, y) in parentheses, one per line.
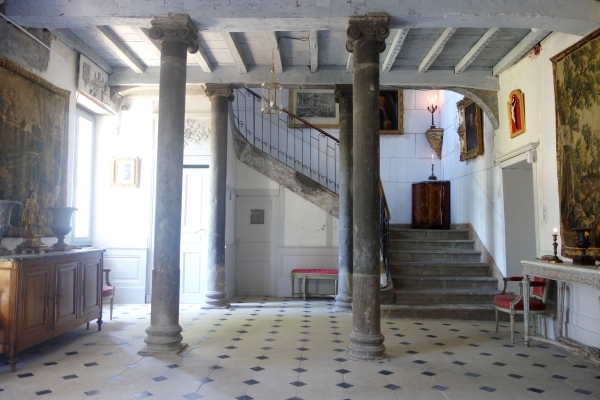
(562, 274)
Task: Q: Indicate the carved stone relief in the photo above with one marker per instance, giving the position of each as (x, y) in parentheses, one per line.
(195, 133)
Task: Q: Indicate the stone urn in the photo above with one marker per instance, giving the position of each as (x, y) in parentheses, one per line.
(6, 207)
(583, 242)
(61, 226)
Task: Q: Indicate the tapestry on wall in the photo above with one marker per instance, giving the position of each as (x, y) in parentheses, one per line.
(33, 140)
(577, 92)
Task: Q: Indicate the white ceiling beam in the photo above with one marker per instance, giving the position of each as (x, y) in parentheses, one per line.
(119, 48)
(437, 48)
(394, 49)
(313, 50)
(526, 44)
(236, 51)
(300, 75)
(350, 63)
(69, 38)
(472, 54)
(144, 35)
(274, 42)
(203, 60)
(260, 16)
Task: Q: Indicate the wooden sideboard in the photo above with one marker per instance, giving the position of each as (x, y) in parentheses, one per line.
(431, 205)
(45, 295)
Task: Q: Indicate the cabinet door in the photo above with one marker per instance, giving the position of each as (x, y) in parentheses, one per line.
(436, 199)
(66, 293)
(91, 286)
(420, 206)
(35, 301)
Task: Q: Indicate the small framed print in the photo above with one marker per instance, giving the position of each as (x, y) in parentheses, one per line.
(316, 106)
(516, 113)
(125, 171)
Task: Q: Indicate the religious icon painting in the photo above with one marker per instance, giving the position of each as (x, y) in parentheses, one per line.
(516, 113)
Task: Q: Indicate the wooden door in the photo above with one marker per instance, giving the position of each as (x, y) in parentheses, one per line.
(66, 308)
(435, 201)
(193, 250)
(91, 286)
(35, 301)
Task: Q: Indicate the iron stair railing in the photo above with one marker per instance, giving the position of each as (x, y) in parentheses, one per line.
(302, 146)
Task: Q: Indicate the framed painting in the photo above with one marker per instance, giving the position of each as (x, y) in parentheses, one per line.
(391, 112)
(316, 106)
(576, 88)
(516, 113)
(34, 117)
(470, 129)
(125, 171)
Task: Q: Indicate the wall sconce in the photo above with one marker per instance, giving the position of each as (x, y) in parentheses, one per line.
(432, 109)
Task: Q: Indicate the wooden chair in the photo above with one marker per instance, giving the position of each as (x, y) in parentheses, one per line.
(513, 304)
(108, 291)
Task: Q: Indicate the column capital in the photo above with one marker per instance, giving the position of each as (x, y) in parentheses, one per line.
(342, 91)
(178, 27)
(219, 89)
(373, 26)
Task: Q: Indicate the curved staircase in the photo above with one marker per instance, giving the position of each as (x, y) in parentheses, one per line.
(438, 274)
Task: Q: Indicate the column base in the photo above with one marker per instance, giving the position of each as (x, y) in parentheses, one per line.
(215, 300)
(163, 340)
(366, 347)
(343, 303)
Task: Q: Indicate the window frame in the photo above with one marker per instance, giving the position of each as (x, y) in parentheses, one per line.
(83, 240)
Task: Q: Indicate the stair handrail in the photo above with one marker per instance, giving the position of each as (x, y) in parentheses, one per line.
(385, 215)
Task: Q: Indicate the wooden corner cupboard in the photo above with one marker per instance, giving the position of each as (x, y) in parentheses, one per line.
(431, 205)
(45, 295)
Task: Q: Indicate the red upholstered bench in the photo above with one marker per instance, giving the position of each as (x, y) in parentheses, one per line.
(306, 274)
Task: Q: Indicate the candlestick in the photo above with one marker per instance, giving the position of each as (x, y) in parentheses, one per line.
(554, 259)
(432, 177)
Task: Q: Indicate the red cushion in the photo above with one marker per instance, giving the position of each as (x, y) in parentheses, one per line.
(315, 271)
(505, 300)
(539, 291)
(107, 290)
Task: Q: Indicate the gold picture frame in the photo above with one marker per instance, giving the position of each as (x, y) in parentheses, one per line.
(516, 113)
(316, 106)
(391, 112)
(470, 129)
(125, 172)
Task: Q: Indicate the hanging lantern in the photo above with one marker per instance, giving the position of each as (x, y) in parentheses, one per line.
(270, 92)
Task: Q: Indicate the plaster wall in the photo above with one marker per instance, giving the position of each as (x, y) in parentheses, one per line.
(405, 159)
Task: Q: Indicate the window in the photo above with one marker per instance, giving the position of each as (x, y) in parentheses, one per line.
(83, 168)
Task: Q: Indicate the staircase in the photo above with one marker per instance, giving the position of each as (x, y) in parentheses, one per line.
(438, 274)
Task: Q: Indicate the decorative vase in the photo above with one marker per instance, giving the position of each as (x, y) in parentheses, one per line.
(6, 207)
(61, 226)
(583, 242)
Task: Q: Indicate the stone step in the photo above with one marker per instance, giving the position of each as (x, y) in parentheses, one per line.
(420, 244)
(435, 234)
(445, 282)
(445, 296)
(434, 268)
(434, 255)
(480, 312)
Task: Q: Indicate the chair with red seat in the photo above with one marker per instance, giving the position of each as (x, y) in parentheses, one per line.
(513, 304)
(108, 291)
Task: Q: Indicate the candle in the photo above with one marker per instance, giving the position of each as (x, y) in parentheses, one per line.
(555, 230)
(432, 158)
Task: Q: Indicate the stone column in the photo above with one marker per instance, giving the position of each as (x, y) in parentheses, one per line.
(220, 96)
(366, 35)
(177, 35)
(343, 300)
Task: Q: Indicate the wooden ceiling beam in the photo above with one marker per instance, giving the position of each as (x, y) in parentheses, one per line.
(313, 50)
(472, 54)
(437, 48)
(273, 40)
(236, 51)
(119, 48)
(517, 52)
(394, 49)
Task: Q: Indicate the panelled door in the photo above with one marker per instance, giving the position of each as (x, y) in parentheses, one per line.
(253, 266)
(66, 297)
(193, 250)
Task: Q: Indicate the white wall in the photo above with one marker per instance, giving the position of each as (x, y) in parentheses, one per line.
(405, 159)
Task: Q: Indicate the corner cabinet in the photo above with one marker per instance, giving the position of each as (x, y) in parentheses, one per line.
(431, 205)
(45, 295)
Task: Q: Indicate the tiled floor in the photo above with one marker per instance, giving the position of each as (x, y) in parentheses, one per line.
(270, 348)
